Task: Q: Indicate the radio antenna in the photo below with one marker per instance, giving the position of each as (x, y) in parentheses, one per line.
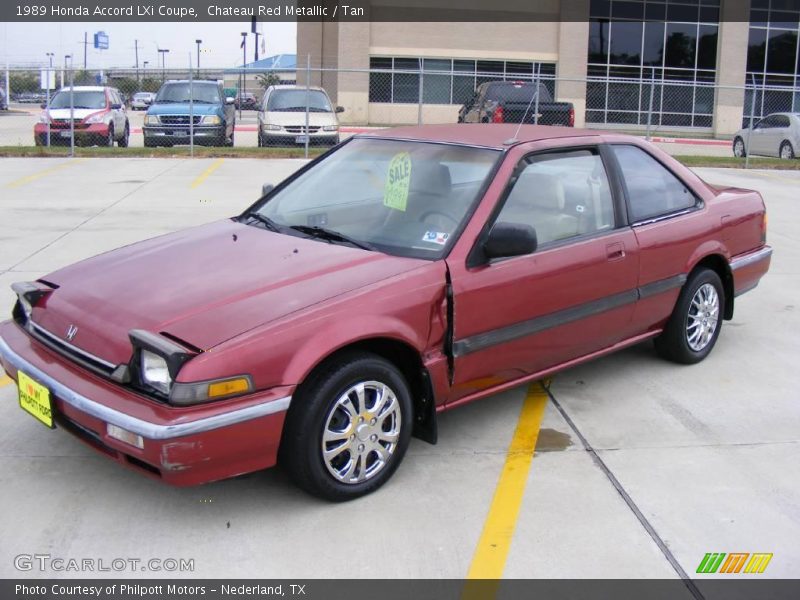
(514, 140)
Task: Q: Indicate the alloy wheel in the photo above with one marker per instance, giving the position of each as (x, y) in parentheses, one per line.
(703, 317)
(361, 432)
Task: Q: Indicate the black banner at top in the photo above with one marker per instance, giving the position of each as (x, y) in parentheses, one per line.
(379, 10)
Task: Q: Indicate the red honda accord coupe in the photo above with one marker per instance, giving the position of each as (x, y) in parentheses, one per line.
(401, 274)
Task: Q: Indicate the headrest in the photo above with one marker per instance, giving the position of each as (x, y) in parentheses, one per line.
(431, 178)
(539, 190)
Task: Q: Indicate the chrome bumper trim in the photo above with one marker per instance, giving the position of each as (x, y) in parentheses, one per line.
(749, 259)
(153, 431)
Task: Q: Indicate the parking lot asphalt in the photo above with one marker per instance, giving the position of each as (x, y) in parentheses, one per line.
(641, 467)
(16, 129)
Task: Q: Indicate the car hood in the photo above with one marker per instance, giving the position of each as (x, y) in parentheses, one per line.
(318, 119)
(78, 113)
(180, 108)
(203, 286)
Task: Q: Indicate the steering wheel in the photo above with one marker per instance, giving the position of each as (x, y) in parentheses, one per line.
(431, 213)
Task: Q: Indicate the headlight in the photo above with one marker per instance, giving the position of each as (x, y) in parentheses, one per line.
(273, 127)
(211, 120)
(96, 118)
(155, 372)
(204, 391)
(44, 118)
(330, 128)
(151, 120)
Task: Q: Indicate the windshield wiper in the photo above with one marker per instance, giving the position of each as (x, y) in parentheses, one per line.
(330, 235)
(268, 223)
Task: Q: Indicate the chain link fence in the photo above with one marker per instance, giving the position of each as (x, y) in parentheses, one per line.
(423, 91)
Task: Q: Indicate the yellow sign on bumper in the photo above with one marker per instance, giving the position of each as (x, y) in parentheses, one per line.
(35, 399)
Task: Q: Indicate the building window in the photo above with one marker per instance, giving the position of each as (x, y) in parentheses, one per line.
(444, 80)
(772, 59)
(652, 57)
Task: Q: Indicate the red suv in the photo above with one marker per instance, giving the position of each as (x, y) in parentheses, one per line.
(98, 113)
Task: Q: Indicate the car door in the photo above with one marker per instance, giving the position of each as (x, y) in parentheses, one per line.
(118, 113)
(660, 207)
(759, 138)
(573, 296)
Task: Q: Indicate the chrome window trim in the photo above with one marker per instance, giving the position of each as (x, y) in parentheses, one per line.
(147, 429)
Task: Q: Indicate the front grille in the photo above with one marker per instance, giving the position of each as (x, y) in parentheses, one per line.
(301, 129)
(64, 124)
(178, 119)
(83, 358)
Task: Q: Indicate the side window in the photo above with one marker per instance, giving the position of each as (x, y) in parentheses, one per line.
(782, 121)
(652, 189)
(561, 195)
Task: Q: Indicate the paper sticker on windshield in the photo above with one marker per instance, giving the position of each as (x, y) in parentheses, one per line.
(436, 237)
(395, 194)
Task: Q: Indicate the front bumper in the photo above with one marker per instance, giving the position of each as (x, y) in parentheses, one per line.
(286, 137)
(95, 133)
(179, 134)
(182, 446)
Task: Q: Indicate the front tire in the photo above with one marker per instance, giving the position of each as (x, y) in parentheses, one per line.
(696, 320)
(125, 139)
(348, 428)
(786, 152)
(738, 148)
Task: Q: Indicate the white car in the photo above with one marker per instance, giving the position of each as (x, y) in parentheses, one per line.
(282, 116)
(98, 118)
(142, 100)
(777, 134)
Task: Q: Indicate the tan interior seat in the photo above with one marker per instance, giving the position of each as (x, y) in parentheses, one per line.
(538, 199)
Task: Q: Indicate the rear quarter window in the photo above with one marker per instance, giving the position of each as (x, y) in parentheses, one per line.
(652, 190)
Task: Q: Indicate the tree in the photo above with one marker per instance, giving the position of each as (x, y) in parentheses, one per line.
(24, 81)
(266, 80)
(150, 85)
(127, 85)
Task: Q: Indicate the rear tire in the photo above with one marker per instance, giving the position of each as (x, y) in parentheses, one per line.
(786, 152)
(738, 148)
(695, 323)
(348, 427)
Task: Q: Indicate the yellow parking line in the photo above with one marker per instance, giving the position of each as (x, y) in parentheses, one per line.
(489, 559)
(205, 174)
(28, 178)
(5, 380)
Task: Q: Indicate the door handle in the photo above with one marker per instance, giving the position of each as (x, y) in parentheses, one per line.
(615, 251)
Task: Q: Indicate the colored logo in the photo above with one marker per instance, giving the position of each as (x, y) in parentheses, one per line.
(735, 562)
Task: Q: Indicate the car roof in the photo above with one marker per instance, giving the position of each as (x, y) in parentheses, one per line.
(194, 81)
(491, 135)
(289, 86)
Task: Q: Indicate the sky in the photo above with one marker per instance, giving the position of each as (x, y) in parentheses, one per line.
(26, 44)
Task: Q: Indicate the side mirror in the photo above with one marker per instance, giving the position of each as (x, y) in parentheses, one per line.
(267, 188)
(510, 239)
(229, 100)
(340, 109)
(116, 106)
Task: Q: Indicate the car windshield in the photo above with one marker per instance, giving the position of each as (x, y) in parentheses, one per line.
(400, 197)
(296, 100)
(80, 99)
(179, 93)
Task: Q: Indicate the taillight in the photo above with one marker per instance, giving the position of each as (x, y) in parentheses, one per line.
(497, 116)
(572, 117)
(764, 228)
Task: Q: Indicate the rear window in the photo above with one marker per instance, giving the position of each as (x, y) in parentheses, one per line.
(510, 92)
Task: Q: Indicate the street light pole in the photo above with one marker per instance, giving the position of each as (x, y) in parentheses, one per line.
(163, 52)
(198, 42)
